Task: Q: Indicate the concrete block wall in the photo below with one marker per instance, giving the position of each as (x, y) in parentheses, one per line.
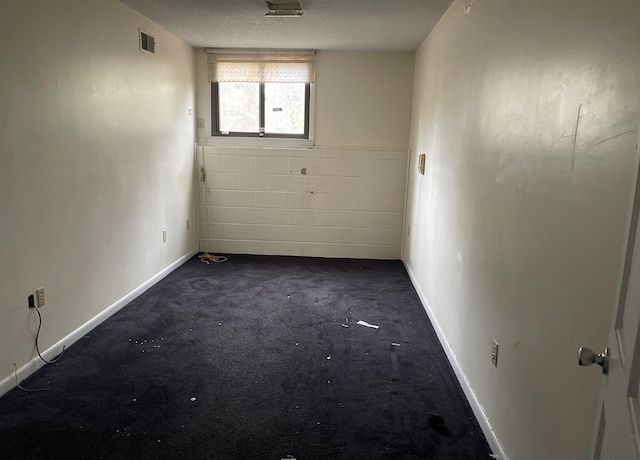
(322, 202)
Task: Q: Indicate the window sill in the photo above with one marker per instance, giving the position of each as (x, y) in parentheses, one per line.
(259, 141)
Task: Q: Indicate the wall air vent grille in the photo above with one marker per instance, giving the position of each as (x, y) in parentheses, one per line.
(147, 42)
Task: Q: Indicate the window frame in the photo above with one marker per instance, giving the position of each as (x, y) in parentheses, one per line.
(215, 116)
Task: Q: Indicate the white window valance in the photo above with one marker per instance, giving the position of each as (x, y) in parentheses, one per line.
(261, 66)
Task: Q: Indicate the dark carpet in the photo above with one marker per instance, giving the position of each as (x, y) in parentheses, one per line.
(249, 359)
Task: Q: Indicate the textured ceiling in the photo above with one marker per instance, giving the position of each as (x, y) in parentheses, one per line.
(376, 25)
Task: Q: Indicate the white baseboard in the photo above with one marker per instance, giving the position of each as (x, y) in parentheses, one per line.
(477, 408)
(50, 353)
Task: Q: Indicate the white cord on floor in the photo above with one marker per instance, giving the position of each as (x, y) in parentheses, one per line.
(28, 390)
(206, 258)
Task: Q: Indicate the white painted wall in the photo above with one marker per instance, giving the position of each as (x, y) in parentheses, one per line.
(96, 159)
(363, 99)
(350, 202)
(528, 113)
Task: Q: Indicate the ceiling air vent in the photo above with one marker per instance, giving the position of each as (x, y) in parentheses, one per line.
(147, 42)
(283, 9)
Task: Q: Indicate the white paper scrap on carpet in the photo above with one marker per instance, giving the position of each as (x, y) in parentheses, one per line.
(364, 323)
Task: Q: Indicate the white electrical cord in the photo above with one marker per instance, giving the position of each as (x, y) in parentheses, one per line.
(28, 390)
(205, 257)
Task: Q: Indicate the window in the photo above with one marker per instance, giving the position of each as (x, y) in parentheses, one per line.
(260, 93)
(260, 109)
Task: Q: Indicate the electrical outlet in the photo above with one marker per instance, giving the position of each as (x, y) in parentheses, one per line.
(40, 297)
(164, 236)
(494, 353)
(200, 123)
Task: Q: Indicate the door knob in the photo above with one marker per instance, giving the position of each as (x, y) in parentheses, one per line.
(587, 357)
